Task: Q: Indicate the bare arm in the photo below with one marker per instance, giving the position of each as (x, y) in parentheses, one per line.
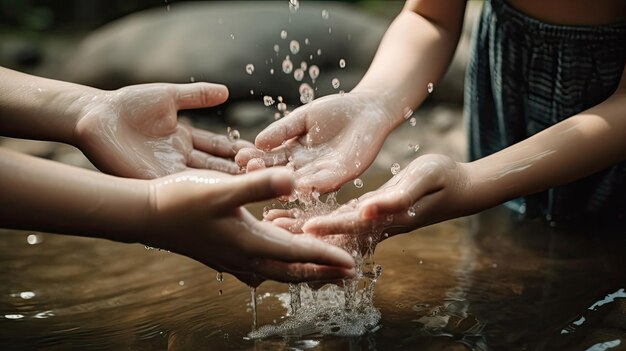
(434, 188)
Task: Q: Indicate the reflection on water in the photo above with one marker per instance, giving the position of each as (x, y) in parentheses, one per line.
(483, 283)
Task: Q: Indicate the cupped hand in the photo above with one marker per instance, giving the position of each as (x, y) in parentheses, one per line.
(199, 214)
(431, 189)
(327, 142)
(134, 131)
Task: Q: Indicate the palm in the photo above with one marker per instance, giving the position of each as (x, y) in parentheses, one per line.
(134, 132)
(328, 142)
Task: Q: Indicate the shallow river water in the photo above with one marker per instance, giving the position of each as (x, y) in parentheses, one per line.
(487, 282)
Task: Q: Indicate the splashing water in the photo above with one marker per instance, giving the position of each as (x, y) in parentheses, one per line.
(283, 34)
(304, 65)
(306, 93)
(298, 74)
(268, 100)
(430, 87)
(276, 48)
(233, 134)
(414, 147)
(287, 65)
(335, 82)
(411, 211)
(395, 168)
(412, 122)
(358, 183)
(250, 68)
(294, 47)
(325, 14)
(294, 5)
(314, 72)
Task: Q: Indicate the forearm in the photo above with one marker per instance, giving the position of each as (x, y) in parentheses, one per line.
(415, 51)
(572, 149)
(42, 195)
(39, 108)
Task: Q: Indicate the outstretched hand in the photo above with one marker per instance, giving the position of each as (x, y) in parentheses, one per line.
(134, 131)
(430, 189)
(327, 142)
(199, 214)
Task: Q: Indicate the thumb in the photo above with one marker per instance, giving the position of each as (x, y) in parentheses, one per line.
(256, 186)
(199, 95)
(282, 130)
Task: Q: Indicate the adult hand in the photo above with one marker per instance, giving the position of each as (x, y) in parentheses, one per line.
(327, 142)
(430, 189)
(134, 132)
(198, 214)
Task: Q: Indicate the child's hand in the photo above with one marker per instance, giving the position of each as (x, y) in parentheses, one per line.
(431, 189)
(327, 142)
(134, 132)
(198, 214)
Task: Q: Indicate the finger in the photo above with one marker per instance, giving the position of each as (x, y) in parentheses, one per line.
(323, 180)
(282, 130)
(217, 144)
(255, 164)
(338, 223)
(302, 272)
(286, 247)
(262, 185)
(279, 157)
(387, 203)
(201, 160)
(293, 225)
(199, 95)
(277, 213)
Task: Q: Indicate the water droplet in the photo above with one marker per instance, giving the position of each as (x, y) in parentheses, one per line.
(294, 46)
(342, 63)
(358, 183)
(282, 107)
(325, 14)
(220, 292)
(33, 239)
(266, 211)
(395, 168)
(386, 235)
(276, 116)
(335, 82)
(276, 48)
(283, 34)
(314, 72)
(341, 92)
(250, 68)
(330, 30)
(412, 122)
(287, 65)
(298, 74)
(233, 134)
(420, 262)
(414, 148)
(192, 79)
(306, 41)
(271, 71)
(219, 277)
(411, 211)
(27, 295)
(251, 92)
(294, 5)
(319, 52)
(304, 65)
(279, 98)
(268, 100)
(430, 87)
(232, 36)
(306, 93)
(181, 283)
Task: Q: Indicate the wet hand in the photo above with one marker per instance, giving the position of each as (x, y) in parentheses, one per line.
(431, 189)
(134, 131)
(199, 214)
(327, 142)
